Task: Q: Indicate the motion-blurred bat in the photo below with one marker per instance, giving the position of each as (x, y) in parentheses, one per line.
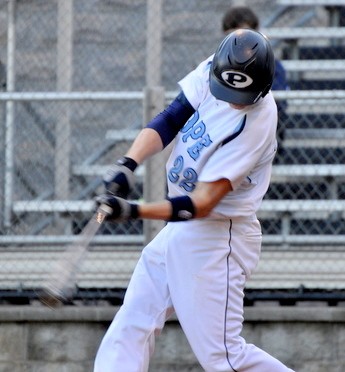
(61, 282)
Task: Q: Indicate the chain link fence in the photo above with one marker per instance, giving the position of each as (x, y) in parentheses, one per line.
(79, 78)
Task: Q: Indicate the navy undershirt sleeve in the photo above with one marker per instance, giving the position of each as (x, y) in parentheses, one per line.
(169, 122)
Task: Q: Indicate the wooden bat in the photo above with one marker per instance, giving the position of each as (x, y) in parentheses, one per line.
(60, 284)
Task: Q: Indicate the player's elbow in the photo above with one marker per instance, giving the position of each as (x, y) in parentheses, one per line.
(203, 209)
(203, 214)
(208, 194)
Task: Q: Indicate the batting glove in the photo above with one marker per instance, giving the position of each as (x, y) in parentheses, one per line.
(119, 179)
(121, 209)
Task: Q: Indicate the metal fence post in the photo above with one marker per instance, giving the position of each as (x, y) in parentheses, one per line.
(64, 84)
(154, 182)
(9, 121)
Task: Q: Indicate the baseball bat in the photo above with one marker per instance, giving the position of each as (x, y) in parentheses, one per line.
(60, 284)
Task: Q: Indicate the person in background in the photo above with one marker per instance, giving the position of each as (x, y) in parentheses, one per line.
(244, 17)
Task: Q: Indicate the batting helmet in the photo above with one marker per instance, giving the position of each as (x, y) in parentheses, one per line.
(242, 69)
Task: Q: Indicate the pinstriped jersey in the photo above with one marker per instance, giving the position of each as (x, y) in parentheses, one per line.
(218, 142)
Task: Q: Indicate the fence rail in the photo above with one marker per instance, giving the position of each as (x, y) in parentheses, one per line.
(274, 208)
(82, 78)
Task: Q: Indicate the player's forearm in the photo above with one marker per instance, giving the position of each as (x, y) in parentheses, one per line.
(201, 202)
(155, 211)
(147, 143)
(179, 208)
(174, 209)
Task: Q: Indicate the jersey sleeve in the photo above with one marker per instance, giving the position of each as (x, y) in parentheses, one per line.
(235, 159)
(196, 84)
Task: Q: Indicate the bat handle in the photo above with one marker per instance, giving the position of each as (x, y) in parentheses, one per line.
(103, 212)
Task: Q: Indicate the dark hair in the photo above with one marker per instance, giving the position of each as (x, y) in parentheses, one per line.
(238, 17)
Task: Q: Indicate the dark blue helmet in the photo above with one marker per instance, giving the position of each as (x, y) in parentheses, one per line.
(242, 69)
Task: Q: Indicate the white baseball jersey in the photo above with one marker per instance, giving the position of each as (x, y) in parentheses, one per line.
(221, 142)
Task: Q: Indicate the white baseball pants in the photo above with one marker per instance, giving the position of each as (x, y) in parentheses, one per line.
(197, 269)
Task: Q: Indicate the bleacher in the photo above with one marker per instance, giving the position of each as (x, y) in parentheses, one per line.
(303, 210)
(302, 214)
(307, 183)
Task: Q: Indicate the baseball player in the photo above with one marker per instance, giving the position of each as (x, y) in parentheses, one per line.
(224, 126)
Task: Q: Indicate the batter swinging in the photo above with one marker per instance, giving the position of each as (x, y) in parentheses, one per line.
(224, 125)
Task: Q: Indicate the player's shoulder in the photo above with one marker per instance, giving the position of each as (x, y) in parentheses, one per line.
(204, 66)
(265, 110)
(268, 102)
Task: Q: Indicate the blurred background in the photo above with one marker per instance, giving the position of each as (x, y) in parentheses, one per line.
(79, 78)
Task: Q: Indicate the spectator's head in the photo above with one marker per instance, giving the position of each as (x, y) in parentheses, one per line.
(242, 68)
(239, 17)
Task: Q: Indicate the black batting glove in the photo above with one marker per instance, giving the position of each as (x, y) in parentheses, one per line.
(119, 208)
(119, 179)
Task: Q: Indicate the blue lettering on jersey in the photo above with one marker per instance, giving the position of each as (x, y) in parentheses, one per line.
(189, 180)
(195, 129)
(192, 130)
(174, 172)
(190, 176)
(194, 151)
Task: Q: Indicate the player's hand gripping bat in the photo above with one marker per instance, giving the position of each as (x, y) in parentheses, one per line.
(61, 282)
